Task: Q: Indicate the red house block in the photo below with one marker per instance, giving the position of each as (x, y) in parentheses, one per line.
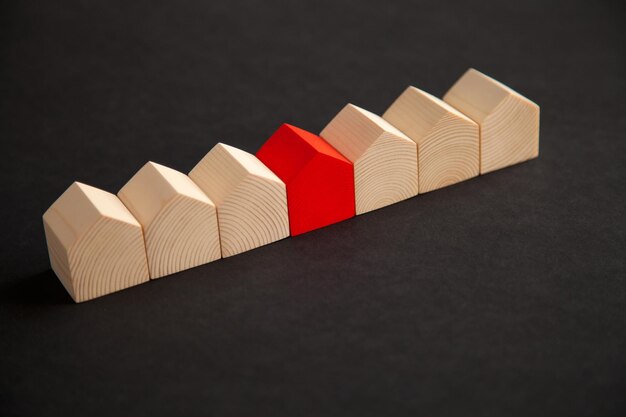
(319, 180)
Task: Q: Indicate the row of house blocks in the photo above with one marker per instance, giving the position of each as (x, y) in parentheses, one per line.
(164, 221)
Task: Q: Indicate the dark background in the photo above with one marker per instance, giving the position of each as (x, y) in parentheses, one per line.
(503, 295)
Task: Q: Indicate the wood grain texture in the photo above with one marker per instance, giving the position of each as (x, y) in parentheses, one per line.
(251, 201)
(319, 180)
(96, 246)
(385, 159)
(509, 122)
(447, 140)
(179, 221)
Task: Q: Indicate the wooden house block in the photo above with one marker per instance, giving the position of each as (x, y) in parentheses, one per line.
(251, 201)
(447, 140)
(320, 181)
(509, 122)
(95, 244)
(179, 221)
(385, 159)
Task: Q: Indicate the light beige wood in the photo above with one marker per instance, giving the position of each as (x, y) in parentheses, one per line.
(95, 244)
(179, 221)
(447, 140)
(251, 201)
(509, 122)
(385, 159)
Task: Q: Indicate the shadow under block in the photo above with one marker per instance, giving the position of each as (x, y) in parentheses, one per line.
(251, 201)
(448, 145)
(509, 122)
(179, 221)
(320, 181)
(385, 159)
(95, 244)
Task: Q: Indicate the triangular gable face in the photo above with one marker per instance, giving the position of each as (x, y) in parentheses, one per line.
(319, 180)
(510, 134)
(386, 173)
(98, 249)
(509, 122)
(218, 172)
(321, 194)
(251, 200)
(109, 258)
(448, 145)
(178, 219)
(385, 160)
(253, 214)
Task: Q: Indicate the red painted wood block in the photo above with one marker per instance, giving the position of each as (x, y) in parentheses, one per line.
(319, 180)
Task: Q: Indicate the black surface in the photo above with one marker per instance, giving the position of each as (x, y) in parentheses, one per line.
(503, 295)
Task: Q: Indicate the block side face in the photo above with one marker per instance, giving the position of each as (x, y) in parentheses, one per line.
(58, 259)
(476, 95)
(386, 173)
(255, 214)
(285, 153)
(146, 193)
(415, 113)
(217, 174)
(65, 233)
(510, 135)
(351, 132)
(449, 154)
(183, 235)
(110, 256)
(321, 195)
